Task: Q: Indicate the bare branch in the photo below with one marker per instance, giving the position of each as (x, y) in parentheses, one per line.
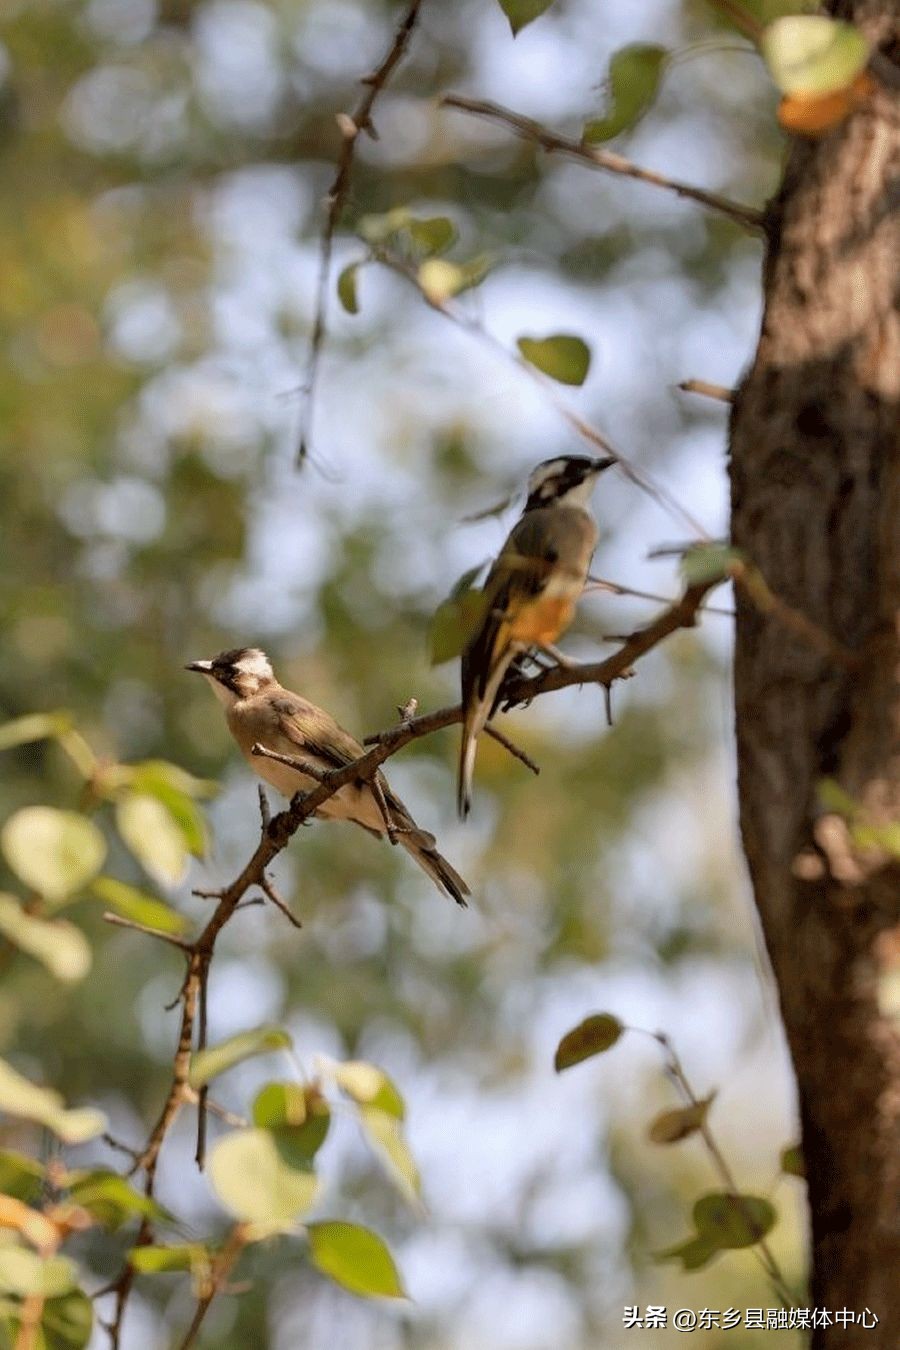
(267, 886)
(350, 126)
(515, 750)
(716, 391)
(747, 216)
(121, 922)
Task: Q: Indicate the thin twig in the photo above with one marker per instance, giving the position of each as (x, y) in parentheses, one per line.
(222, 1266)
(747, 216)
(762, 1248)
(267, 886)
(515, 750)
(350, 127)
(615, 587)
(589, 433)
(121, 922)
(716, 391)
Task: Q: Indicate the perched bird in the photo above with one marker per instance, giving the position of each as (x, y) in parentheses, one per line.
(530, 592)
(259, 710)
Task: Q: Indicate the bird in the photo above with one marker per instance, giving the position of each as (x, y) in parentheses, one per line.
(530, 592)
(258, 710)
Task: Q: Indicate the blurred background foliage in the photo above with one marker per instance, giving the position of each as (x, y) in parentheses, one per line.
(164, 164)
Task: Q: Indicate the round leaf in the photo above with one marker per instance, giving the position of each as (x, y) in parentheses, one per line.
(208, 1064)
(563, 357)
(152, 1260)
(67, 1321)
(593, 1036)
(670, 1127)
(733, 1220)
(454, 624)
(153, 837)
(23, 1272)
(433, 235)
(298, 1117)
(355, 1258)
(20, 1176)
(812, 54)
(58, 945)
(368, 1085)
(632, 85)
(254, 1182)
(53, 852)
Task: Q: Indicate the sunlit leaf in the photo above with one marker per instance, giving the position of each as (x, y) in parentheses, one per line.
(254, 1182)
(561, 356)
(385, 1134)
(153, 837)
(669, 1127)
(53, 852)
(20, 1176)
(19, 1097)
(593, 1036)
(153, 1260)
(368, 1085)
(440, 280)
(112, 1200)
(733, 1220)
(355, 1258)
(378, 229)
(523, 12)
(57, 944)
(813, 54)
(208, 1064)
(346, 288)
(138, 906)
(33, 727)
(181, 806)
(24, 1272)
(632, 85)
(33, 1226)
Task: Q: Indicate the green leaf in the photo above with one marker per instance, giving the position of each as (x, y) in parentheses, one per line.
(455, 623)
(208, 1064)
(160, 776)
(708, 562)
(693, 1254)
(594, 1036)
(23, 1272)
(385, 1134)
(138, 906)
(149, 831)
(33, 727)
(633, 82)
(811, 54)
(440, 280)
(523, 12)
(369, 1086)
(563, 357)
(432, 235)
(20, 1176)
(67, 1322)
(885, 838)
(57, 944)
(346, 288)
(53, 852)
(298, 1116)
(19, 1097)
(355, 1258)
(112, 1200)
(151, 1260)
(733, 1220)
(254, 1182)
(791, 1161)
(670, 1127)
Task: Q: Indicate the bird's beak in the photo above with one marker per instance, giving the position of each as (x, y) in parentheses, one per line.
(601, 464)
(204, 667)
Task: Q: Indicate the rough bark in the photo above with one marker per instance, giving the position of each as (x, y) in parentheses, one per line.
(815, 455)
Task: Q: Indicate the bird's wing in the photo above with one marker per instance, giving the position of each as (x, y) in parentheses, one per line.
(519, 574)
(315, 732)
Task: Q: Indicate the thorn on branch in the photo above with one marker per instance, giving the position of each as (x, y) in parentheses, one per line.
(267, 886)
(707, 390)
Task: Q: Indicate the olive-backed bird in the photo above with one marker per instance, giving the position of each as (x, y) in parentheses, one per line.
(530, 592)
(259, 710)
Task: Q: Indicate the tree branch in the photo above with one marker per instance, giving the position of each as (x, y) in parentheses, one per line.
(747, 216)
(350, 127)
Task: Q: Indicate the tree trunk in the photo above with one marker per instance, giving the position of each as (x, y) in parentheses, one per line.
(815, 464)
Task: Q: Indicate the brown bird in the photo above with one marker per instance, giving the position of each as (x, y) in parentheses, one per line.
(530, 592)
(259, 710)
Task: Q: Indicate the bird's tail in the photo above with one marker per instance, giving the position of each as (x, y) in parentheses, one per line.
(468, 746)
(421, 846)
